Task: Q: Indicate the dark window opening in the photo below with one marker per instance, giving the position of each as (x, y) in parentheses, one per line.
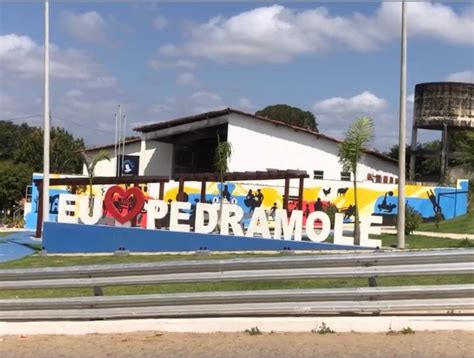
(194, 152)
(318, 174)
(345, 176)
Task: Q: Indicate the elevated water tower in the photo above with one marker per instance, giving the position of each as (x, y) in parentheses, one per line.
(442, 106)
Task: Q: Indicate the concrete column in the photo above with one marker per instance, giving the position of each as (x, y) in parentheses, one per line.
(444, 154)
(414, 133)
(141, 169)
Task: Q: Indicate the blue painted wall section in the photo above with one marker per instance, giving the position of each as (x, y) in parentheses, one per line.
(77, 238)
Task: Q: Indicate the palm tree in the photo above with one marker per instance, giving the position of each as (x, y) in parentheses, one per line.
(221, 164)
(358, 136)
(90, 166)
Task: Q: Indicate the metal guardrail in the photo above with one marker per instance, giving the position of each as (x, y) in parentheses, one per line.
(226, 297)
(368, 300)
(249, 309)
(246, 275)
(268, 263)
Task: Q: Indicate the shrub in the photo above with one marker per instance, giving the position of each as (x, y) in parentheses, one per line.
(407, 330)
(323, 329)
(253, 331)
(413, 219)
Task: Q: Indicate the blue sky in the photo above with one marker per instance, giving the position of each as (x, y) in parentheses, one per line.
(164, 60)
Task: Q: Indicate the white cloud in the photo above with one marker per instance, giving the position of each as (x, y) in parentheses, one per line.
(246, 104)
(85, 27)
(274, 34)
(157, 64)
(168, 50)
(22, 59)
(185, 79)
(204, 101)
(364, 103)
(334, 115)
(465, 76)
(160, 22)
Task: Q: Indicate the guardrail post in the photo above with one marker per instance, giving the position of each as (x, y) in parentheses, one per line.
(98, 291)
(373, 281)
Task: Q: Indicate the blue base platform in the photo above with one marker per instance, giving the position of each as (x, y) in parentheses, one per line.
(77, 238)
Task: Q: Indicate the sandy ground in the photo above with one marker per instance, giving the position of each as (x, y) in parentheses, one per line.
(226, 345)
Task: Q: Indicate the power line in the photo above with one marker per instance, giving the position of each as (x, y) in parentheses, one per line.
(24, 117)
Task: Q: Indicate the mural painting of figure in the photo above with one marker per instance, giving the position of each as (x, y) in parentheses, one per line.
(318, 205)
(192, 217)
(260, 197)
(272, 210)
(253, 201)
(349, 212)
(342, 191)
(386, 207)
(226, 193)
(435, 203)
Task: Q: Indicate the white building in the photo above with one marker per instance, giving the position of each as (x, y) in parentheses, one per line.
(188, 145)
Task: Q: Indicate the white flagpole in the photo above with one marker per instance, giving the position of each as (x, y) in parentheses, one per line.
(402, 134)
(119, 165)
(46, 123)
(115, 143)
(124, 136)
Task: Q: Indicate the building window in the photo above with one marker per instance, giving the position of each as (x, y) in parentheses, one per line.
(385, 179)
(345, 176)
(318, 174)
(378, 178)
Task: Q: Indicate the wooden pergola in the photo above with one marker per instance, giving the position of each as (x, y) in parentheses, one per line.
(204, 178)
(237, 176)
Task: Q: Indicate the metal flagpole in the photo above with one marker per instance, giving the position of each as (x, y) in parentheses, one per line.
(46, 123)
(124, 136)
(402, 134)
(119, 166)
(115, 143)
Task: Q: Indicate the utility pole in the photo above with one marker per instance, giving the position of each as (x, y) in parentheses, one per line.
(402, 133)
(46, 123)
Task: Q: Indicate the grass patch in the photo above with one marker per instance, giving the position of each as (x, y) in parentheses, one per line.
(423, 242)
(460, 225)
(240, 286)
(36, 261)
(419, 241)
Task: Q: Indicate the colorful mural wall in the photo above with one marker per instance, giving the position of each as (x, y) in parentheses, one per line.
(374, 199)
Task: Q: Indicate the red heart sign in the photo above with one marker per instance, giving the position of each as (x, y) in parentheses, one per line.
(129, 201)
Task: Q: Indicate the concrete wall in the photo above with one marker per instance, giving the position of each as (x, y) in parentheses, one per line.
(258, 145)
(156, 161)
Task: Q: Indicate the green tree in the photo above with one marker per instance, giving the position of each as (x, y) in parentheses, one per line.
(221, 164)
(65, 156)
(13, 181)
(91, 163)
(358, 136)
(290, 115)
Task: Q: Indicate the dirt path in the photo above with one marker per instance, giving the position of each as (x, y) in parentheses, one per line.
(227, 345)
